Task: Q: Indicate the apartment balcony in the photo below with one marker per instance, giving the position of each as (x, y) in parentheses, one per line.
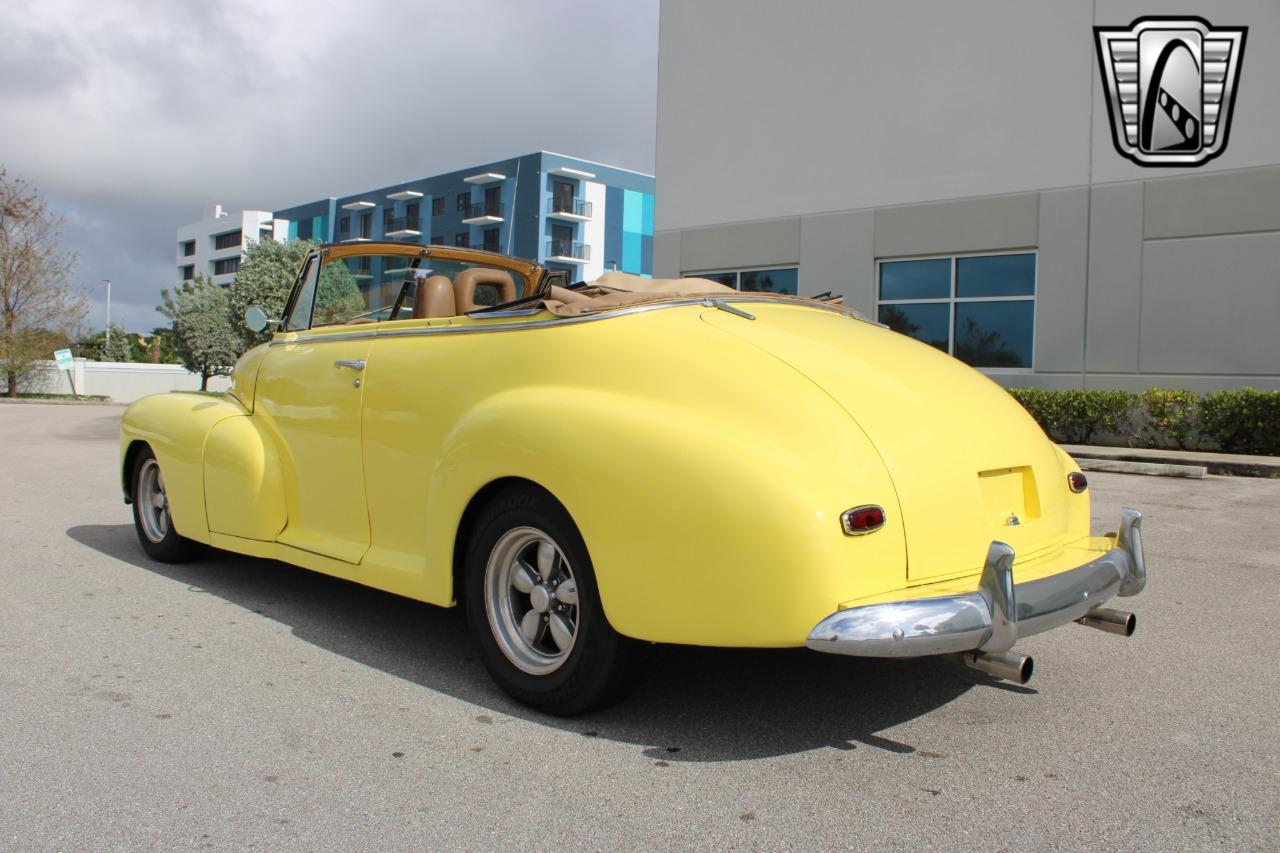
(405, 195)
(574, 209)
(568, 252)
(482, 178)
(358, 206)
(483, 213)
(404, 226)
(362, 270)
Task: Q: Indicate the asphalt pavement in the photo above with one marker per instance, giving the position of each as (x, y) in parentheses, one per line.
(235, 703)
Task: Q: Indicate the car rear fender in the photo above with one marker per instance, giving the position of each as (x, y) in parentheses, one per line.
(700, 531)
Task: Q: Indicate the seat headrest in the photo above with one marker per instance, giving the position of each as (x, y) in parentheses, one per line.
(464, 287)
(434, 298)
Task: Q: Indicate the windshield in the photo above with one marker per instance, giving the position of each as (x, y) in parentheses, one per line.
(388, 283)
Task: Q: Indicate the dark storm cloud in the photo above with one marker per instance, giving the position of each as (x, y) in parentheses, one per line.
(135, 117)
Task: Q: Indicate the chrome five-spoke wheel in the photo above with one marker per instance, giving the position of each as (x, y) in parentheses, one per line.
(534, 608)
(531, 600)
(153, 503)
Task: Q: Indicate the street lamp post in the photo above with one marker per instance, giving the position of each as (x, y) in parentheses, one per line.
(108, 281)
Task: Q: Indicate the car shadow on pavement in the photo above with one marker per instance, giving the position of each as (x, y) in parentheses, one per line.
(695, 704)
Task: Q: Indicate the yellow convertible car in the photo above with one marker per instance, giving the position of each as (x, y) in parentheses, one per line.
(590, 468)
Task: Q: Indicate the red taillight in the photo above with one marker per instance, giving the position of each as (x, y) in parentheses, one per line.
(862, 519)
(1076, 482)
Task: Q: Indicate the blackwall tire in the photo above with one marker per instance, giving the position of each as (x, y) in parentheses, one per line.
(151, 518)
(534, 610)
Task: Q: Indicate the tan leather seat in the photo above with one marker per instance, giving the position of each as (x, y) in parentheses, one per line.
(464, 287)
(434, 298)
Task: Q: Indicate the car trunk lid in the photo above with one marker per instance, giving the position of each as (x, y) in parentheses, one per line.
(968, 463)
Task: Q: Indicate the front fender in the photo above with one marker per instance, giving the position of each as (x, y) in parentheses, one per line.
(703, 528)
(175, 427)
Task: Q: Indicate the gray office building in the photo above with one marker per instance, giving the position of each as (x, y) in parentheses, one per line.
(1060, 207)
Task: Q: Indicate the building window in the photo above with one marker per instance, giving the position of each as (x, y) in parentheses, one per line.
(412, 215)
(188, 272)
(226, 266)
(388, 217)
(781, 280)
(344, 227)
(226, 241)
(366, 225)
(491, 243)
(188, 248)
(464, 199)
(437, 240)
(979, 308)
(437, 205)
(463, 239)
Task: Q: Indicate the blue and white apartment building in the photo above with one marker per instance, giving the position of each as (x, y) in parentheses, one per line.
(570, 214)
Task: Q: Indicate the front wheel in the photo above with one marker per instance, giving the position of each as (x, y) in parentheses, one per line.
(534, 608)
(151, 514)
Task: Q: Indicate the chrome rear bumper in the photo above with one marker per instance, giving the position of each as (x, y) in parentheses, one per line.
(994, 616)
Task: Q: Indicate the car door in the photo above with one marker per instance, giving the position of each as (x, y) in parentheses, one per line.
(309, 396)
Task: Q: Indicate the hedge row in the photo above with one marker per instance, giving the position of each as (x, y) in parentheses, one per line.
(1243, 421)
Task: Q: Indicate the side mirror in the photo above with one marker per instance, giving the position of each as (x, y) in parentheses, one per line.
(255, 318)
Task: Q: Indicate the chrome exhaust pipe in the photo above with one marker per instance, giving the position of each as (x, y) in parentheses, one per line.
(1120, 622)
(1004, 665)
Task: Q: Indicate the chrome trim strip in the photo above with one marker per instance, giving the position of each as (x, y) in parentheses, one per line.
(992, 617)
(482, 313)
(558, 321)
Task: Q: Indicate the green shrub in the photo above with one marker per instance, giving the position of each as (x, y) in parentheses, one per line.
(1243, 421)
(1076, 416)
(1171, 417)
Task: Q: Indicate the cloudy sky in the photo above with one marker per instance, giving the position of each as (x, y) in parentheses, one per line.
(132, 117)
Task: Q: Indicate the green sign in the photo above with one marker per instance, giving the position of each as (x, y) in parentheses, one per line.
(64, 359)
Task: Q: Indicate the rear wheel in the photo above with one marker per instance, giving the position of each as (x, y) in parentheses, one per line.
(534, 609)
(151, 516)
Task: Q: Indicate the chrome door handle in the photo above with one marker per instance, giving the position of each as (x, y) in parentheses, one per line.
(358, 364)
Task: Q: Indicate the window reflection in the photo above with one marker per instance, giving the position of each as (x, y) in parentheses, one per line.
(930, 279)
(785, 280)
(769, 281)
(996, 275)
(924, 321)
(994, 334)
(980, 308)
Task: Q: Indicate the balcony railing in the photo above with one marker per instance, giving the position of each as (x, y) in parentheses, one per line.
(568, 249)
(404, 223)
(576, 207)
(479, 210)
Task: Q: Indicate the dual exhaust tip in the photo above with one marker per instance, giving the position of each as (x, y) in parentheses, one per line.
(1017, 668)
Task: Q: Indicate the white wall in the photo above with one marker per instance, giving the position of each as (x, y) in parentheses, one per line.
(593, 230)
(122, 382)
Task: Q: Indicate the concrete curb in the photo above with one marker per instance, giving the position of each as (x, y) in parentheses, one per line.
(1156, 469)
(1233, 464)
(21, 402)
